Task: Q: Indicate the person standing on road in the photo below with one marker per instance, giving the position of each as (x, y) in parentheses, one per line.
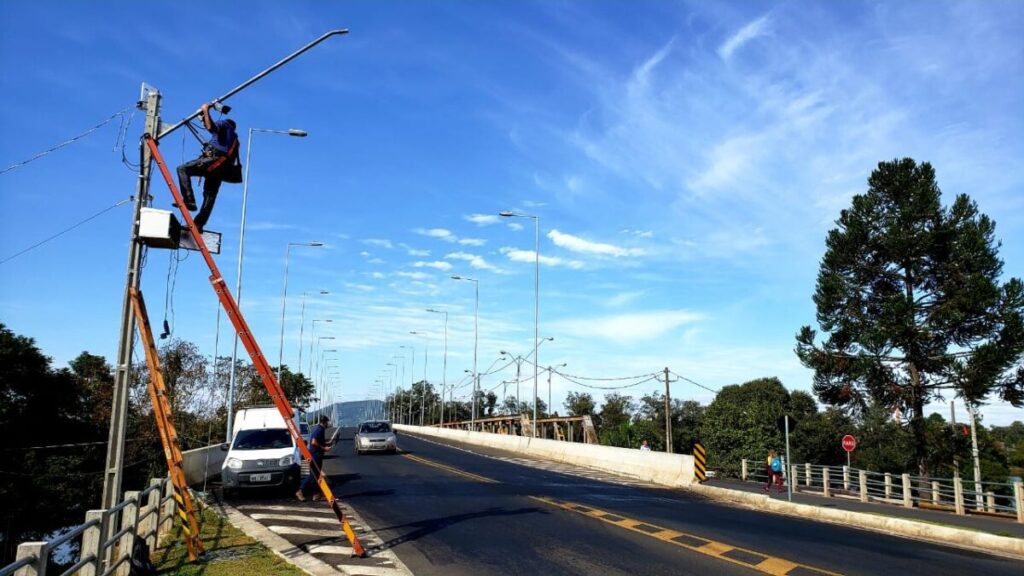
(773, 468)
(317, 447)
(645, 447)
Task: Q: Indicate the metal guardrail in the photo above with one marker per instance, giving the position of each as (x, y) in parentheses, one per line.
(106, 535)
(1004, 499)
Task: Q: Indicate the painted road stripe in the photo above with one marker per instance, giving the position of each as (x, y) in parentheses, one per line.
(450, 469)
(297, 531)
(734, 554)
(295, 518)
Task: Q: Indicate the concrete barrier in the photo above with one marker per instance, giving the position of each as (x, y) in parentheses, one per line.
(657, 467)
(203, 463)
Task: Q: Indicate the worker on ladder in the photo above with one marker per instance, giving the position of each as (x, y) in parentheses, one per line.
(218, 163)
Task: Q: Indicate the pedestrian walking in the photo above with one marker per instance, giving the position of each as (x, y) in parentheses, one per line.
(317, 446)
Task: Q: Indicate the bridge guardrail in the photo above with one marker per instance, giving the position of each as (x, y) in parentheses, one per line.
(1004, 499)
(107, 535)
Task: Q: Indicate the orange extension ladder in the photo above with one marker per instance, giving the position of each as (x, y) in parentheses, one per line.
(259, 361)
(168, 434)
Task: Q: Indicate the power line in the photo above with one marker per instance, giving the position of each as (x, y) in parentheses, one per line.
(66, 230)
(68, 141)
(697, 384)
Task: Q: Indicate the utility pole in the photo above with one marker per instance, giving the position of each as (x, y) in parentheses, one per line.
(668, 416)
(974, 454)
(150, 101)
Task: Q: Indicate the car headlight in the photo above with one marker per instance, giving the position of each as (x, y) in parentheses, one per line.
(234, 464)
(364, 441)
(391, 439)
(286, 461)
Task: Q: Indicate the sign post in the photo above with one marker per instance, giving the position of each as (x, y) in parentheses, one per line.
(849, 443)
(786, 423)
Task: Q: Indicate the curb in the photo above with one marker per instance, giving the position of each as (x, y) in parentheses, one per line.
(956, 537)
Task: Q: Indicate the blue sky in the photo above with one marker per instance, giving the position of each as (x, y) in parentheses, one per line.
(685, 159)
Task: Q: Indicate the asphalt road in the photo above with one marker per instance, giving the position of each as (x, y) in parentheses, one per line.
(459, 510)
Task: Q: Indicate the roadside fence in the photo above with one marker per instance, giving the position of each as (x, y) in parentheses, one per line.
(106, 536)
(1003, 499)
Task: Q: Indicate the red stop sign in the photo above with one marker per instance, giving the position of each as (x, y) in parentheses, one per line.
(849, 443)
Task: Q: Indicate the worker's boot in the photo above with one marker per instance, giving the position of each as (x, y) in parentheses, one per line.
(190, 202)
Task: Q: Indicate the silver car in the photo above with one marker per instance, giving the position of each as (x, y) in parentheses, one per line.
(375, 436)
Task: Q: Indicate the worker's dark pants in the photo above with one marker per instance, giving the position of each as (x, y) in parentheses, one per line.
(311, 481)
(211, 169)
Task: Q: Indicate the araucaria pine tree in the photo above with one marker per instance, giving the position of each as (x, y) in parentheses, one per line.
(910, 298)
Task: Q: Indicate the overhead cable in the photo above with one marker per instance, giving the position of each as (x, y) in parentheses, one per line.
(66, 230)
(697, 384)
(68, 141)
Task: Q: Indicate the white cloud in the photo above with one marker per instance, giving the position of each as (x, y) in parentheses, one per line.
(377, 275)
(378, 242)
(419, 253)
(359, 287)
(375, 261)
(472, 241)
(517, 255)
(413, 275)
(623, 299)
(628, 328)
(267, 226)
(752, 30)
(475, 261)
(482, 219)
(437, 264)
(515, 226)
(577, 244)
(638, 233)
(439, 233)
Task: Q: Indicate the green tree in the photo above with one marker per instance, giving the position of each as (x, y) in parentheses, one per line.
(616, 410)
(909, 295)
(741, 422)
(580, 404)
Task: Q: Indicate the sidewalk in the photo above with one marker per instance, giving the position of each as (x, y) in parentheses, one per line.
(987, 524)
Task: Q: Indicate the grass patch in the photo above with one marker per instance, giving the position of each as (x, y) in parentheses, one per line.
(229, 552)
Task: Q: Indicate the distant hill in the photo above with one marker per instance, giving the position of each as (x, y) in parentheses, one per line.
(351, 413)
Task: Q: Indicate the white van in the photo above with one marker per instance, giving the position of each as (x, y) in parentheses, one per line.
(262, 453)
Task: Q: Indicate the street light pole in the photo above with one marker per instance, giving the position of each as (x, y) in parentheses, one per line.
(284, 300)
(238, 275)
(536, 304)
(444, 370)
(312, 339)
(476, 333)
(423, 388)
(302, 324)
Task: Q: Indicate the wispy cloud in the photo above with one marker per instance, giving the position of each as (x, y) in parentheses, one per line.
(472, 241)
(437, 265)
(516, 226)
(359, 287)
(623, 299)
(482, 219)
(474, 260)
(577, 244)
(268, 226)
(413, 275)
(517, 255)
(439, 233)
(378, 242)
(629, 328)
(759, 27)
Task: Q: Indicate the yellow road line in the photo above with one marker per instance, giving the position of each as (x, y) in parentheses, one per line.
(740, 556)
(450, 469)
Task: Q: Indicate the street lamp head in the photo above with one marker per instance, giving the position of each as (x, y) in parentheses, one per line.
(550, 338)
(456, 277)
(506, 214)
(315, 244)
(298, 133)
(324, 292)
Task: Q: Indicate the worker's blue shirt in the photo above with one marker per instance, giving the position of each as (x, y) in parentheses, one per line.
(223, 137)
(319, 433)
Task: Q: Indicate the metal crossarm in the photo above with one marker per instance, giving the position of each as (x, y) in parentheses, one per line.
(168, 434)
(258, 360)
